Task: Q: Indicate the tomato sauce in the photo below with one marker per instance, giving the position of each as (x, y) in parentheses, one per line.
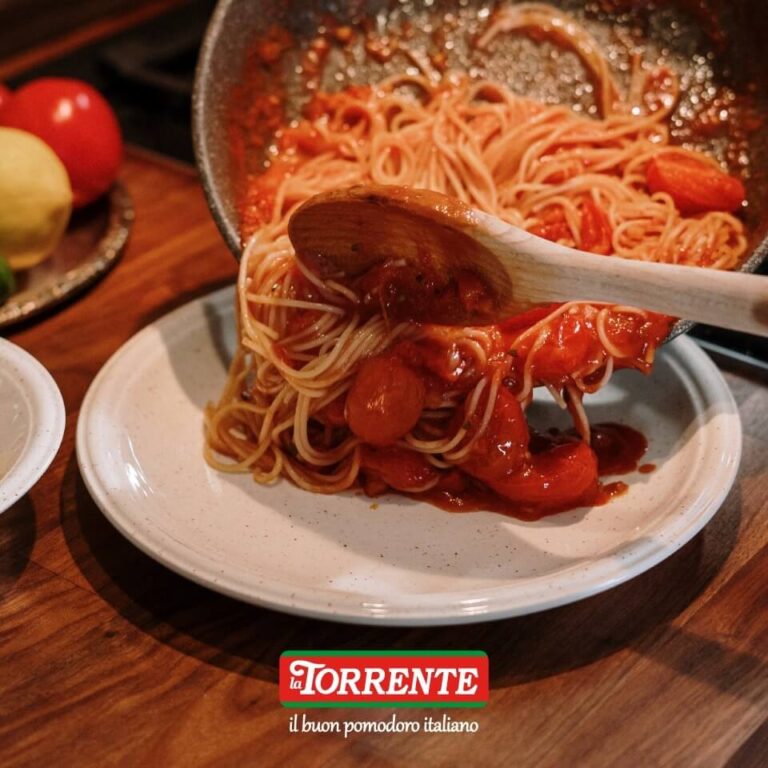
(416, 292)
(617, 447)
(478, 497)
(506, 470)
(252, 128)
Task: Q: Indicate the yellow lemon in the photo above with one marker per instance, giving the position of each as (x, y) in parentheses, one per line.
(35, 198)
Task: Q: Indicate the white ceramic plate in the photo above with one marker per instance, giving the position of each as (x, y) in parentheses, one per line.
(139, 445)
(32, 420)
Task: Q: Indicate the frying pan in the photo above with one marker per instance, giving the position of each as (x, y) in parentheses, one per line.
(711, 44)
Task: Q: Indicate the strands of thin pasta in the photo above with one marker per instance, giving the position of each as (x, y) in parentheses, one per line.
(302, 338)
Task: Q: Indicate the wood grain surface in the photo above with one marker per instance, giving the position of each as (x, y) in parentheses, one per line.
(107, 658)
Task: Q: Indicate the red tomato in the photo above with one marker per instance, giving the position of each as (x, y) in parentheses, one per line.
(78, 124)
(694, 185)
(400, 469)
(595, 228)
(385, 400)
(503, 446)
(633, 334)
(6, 94)
(562, 477)
(551, 224)
(572, 345)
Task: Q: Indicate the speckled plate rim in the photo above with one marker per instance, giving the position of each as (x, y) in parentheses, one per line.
(102, 258)
(46, 406)
(707, 389)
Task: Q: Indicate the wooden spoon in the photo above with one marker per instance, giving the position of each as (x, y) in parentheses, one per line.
(350, 230)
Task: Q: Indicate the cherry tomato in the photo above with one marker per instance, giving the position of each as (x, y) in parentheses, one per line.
(385, 400)
(695, 186)
(572, 346)
(633, 334)
(596, 233)
(562, 477)
(75, 120)
(503, 446)
(551, 224)
(400, 469)
(6, 94)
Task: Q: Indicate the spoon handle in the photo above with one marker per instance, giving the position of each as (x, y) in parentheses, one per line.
(552, 272)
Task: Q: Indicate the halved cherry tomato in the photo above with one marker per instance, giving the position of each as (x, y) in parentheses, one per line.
(385, 400)
(400, 469)
(75, 120)
(695, 186)
(596, 230)
(562, 477)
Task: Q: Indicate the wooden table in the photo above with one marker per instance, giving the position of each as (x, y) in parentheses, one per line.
(107, 658)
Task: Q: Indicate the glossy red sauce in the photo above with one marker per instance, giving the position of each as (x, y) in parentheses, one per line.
(618, 447)
(618, 453)
(478, 497)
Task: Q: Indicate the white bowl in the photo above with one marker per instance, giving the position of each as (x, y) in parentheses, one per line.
(32, 418)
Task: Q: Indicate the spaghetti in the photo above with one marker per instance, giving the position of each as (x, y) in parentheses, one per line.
(333, 387)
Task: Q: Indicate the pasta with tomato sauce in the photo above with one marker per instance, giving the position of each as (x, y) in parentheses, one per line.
(334, 386)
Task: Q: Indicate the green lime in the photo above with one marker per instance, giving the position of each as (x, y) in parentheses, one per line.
(7, 280)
